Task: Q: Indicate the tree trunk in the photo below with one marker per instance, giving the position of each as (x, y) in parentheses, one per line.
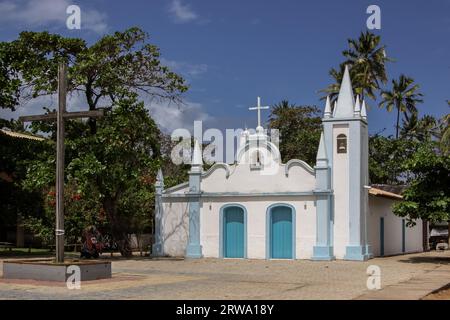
(92, 106)
(398, 120)
(123, 244)
(448, 236)
(118, 232)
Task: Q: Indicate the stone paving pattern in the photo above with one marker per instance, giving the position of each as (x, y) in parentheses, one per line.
(144, 278)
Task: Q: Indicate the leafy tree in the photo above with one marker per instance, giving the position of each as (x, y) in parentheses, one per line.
(115, 67)
(427, 196)
(110, 174)
(299, 128)
(367, 61)
(15, 201)
(386, 158)
(110, 163)
(9, 80)
(404, 97)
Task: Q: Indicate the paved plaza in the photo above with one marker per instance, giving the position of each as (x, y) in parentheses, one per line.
(404, 277)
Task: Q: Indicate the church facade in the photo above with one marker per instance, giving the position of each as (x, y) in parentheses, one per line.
(262, 208)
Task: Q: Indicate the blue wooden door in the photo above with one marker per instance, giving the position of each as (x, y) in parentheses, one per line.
(281, 233)
(234, 232)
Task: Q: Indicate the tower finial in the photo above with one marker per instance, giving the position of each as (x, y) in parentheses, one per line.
(197, 162)
(364, 110)
(357, 111)
(327, 113)
(322, 159)
(345, 101)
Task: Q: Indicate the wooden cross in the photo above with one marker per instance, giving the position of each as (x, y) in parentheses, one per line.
(60, 116)
(259, 108)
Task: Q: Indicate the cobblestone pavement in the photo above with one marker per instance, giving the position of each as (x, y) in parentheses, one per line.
(144, 278)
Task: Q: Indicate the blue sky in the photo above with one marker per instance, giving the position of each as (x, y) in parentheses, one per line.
(233, 51)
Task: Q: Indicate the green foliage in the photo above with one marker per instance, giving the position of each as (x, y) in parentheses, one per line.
(15, 200)
(300, 128)
(115, 67)
(110, 163)
(423, 129)
(386, 158)
(109, 175)
(428, 194)
(444, 128)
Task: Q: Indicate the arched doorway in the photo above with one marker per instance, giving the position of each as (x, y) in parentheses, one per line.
(281, 232)
(233, 232)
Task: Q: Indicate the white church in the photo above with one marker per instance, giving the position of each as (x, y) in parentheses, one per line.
(263, 208)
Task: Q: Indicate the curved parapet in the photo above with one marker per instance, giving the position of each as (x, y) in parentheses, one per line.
(216, 166)
(300, 163)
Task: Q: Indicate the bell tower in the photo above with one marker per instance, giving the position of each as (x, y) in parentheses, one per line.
(346, 142)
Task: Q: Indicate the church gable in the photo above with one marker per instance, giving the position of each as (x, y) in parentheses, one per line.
(245, 179)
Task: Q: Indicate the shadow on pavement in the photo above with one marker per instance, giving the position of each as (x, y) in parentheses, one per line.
(428, 259)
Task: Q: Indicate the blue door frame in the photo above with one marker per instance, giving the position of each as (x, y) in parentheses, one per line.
(280, 232)
(403, 235)
(233, 231)
(381, 236)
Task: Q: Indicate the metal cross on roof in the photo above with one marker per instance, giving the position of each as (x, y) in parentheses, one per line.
(259, 108)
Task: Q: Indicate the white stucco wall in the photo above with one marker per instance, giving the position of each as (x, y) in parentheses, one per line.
(175, 227)
(381, 207)
(256, 224)
(340, 179)
(243, 179)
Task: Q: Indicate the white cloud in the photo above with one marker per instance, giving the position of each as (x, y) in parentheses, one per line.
(75, 102)
(49, 12)
(185, 68)
(170, 116)
(181, 13)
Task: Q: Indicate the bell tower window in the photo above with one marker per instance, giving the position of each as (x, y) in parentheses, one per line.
(341, 143)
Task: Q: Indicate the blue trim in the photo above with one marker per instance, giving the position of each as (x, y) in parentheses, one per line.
(312, 193)
(358, 253)
(323, 250)
(194, 249)
(403, 235)
(381, 236)
(221, 228)
(268, 228)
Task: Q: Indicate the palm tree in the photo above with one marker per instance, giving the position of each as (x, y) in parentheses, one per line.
(445, 133)
(333, 89)
(367, 60)
(422, 129)
(403, 97)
